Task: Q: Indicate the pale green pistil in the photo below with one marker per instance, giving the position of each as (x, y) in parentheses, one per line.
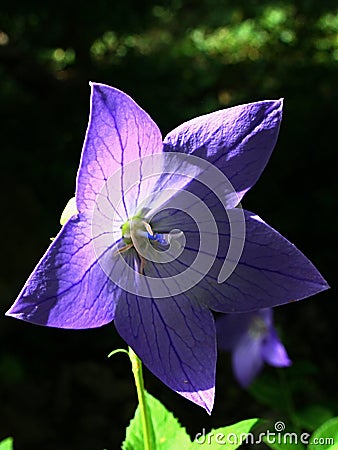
(135, 227)
(135, 233)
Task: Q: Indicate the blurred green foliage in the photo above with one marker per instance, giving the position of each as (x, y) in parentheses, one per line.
(177, 59)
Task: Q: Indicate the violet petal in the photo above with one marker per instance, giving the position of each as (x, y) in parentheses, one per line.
(175, 339)
(270, 272)
(237, 140)
(230, 329)
(247, 359)
(68, 288)
(274, 352)
(118, 132)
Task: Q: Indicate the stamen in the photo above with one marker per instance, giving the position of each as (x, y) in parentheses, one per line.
(148, 228)
(142, 264)
(135, 225)
(123, 249)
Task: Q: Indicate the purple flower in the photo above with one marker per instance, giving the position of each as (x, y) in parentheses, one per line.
(253, 341)
(152, 244)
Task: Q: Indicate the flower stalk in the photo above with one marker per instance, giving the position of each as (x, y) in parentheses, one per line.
(147, 428)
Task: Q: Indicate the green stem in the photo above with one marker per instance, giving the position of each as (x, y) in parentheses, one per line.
(136, 365)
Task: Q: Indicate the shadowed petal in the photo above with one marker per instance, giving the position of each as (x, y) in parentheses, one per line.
(175, 339)
(119, 132)
(270, 272)
(68, 288)
(247, 359)
(274, 352)
(237, 140)
(266, 315)
(230, 329)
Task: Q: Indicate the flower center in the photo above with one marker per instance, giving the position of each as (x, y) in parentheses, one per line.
(258, 327)
(136, 227)
(149, 246)
(137, 234)
(137, 230)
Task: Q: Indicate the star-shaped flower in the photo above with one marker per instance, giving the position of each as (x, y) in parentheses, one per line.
(158, 242)
(253, 341)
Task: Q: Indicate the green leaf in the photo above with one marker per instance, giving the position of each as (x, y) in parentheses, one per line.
(169, 435)
(230, 437)
(313, 416)
(69, 211)
(168, 432)
(6, 444)
(284, 441)
(326, 436)
(266, 390)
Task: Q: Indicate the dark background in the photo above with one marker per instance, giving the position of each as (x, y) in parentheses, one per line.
(177, 59)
